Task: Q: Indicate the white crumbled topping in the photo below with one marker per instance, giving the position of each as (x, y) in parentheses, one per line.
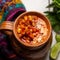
(41, 25)
(39, 38)
(38, 26)
(42, 30)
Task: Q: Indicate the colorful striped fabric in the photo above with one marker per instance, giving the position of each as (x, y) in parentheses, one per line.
(8, 9)
(8, 5)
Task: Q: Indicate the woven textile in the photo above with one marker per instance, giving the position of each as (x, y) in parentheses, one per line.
(7, 8)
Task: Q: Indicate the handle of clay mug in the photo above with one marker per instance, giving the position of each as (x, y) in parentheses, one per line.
(7, 27)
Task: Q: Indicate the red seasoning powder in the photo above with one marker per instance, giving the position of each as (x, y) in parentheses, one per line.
(32, 29)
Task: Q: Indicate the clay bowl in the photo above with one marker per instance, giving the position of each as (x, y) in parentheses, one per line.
(32, 54)
(28, 46)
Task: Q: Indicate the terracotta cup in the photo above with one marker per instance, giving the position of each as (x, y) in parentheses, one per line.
(11, 26)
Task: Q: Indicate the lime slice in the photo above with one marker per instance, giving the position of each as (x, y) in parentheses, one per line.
(57, 37)
(55, 50)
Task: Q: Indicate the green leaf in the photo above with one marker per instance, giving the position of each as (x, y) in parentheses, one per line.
(58, 11)
(57, 28)
(55, 9)
(48, 12)
(54, 15)
(52, 19)
(57, 3)
(58, 17)
(50, 5)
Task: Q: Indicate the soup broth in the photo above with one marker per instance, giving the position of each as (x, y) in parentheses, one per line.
(32, 30)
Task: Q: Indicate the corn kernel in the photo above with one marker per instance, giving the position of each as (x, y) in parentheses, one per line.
(25, 17)
(30, 17)
(18, 30)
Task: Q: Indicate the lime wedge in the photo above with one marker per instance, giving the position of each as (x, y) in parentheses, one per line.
(55, 51)
(57, 37)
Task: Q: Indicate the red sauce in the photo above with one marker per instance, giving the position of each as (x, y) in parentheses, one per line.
(32, 29)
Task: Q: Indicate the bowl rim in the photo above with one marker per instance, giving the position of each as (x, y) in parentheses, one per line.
(14, 30)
